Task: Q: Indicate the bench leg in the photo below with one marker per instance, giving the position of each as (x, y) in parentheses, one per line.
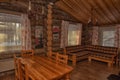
(74, 60)
(67, 77)
(110, 64)
(89, 59)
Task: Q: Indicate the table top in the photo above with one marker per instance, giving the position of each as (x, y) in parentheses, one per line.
(45, 68)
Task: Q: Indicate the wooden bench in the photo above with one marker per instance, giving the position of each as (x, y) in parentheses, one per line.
(92, 52)
(75, 53)
(101, 53)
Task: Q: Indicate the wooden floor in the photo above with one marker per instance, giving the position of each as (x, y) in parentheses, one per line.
(84, 71)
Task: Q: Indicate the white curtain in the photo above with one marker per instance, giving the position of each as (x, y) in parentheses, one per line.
(80, 33)
(10, 32)
(95, 35)
(4, 17)
(64, 33)
(117, 36)
(26, 32)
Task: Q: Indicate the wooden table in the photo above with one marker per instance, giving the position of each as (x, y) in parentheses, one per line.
(43, 68)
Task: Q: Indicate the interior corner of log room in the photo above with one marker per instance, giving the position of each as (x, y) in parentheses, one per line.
(59, 39)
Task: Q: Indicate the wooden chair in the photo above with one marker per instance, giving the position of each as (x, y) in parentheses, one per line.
(22, 70)
(26, 74)
(17, 68)
(27, 53)
(53, 55)
(63, 59)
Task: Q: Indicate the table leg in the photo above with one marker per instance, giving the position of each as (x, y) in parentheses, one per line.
(110, 64)
(67, 77)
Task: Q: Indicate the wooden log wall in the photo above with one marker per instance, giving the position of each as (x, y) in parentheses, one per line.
(86, 35)
(57, 17)
(38, 17)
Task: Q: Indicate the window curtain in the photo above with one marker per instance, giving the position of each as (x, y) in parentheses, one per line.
(9, 32)
(117, 36)
(64, 33)
(95, 35)
(4, 17)
(80, 33)
(26, 32)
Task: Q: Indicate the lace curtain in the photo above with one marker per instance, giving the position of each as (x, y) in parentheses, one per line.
(26, 32)
(64, 34)
(15, 32)
(66, 30)
(74, 34)
(117, 36)
(79, 26)
(10, 32)
(9, 18)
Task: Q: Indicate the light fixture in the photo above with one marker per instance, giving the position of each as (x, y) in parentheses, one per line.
(29, 5)
(93, 20)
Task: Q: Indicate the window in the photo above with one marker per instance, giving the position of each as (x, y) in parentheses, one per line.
(74, 34)
(107, 36)
(10, 32)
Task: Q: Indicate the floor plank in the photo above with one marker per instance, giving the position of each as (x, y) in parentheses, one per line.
(92, 71)
(83, 71)
(7, 75)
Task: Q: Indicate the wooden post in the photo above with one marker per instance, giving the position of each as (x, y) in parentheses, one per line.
(49, 30)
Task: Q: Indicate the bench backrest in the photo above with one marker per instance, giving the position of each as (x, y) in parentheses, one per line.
(102, 49)
(97, 48)
(73, 48)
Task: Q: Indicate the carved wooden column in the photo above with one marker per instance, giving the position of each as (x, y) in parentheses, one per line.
(49, 30)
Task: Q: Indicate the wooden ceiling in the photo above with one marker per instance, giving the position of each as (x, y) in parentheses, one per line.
(105, 11)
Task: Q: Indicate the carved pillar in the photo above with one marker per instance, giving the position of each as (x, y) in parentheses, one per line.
(49, 30)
